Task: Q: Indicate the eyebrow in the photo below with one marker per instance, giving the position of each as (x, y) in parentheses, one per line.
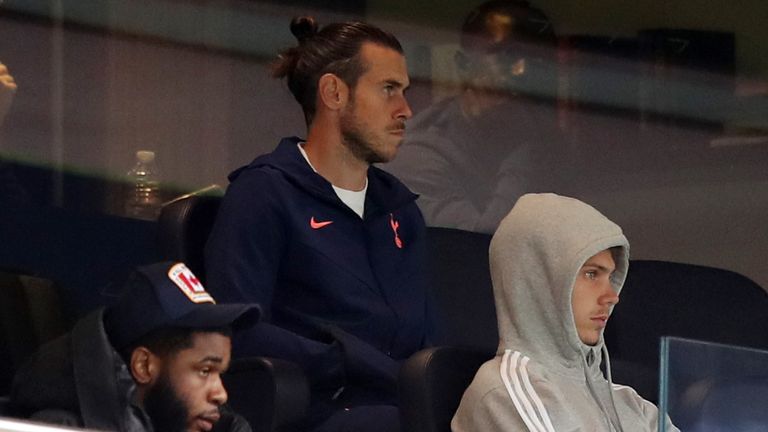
(599, 267)
(214, 361)
(211, 359)
(396, 83)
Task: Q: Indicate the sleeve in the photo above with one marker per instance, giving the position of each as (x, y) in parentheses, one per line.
(651, 415)
(243, 256)
(491, 411)
(648, 412)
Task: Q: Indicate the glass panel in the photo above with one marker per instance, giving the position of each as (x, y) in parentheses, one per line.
(653, 112)
(713, 387)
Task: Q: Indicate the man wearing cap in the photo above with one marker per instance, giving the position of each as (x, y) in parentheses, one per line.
(151, 362)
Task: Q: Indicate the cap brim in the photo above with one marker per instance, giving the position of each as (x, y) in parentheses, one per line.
(211, 315)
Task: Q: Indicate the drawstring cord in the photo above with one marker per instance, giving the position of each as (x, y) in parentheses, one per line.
(612, 425)
(610, 385)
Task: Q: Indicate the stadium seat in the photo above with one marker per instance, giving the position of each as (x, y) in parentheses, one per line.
(671, 299)
(271, 394)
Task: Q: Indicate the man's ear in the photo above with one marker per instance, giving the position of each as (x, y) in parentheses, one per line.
(145, 366)
(332, 91)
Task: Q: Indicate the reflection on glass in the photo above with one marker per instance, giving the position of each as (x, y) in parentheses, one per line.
(471, 155)
(708, 387)
(655, 111)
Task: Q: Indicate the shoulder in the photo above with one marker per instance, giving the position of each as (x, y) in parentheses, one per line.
(274, 167)
(486, 387)
(629, 396)
(511, 392)
(254, 193)
(517, 378)
(628, 399)
(46, 380)
(248, 179)
(486, 405)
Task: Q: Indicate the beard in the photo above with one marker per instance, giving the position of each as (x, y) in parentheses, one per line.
(164, 407)
(358, 141)
(358, 138)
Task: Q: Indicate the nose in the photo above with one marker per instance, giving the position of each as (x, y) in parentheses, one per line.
(218, 393)
(609, 296)
(404, 111)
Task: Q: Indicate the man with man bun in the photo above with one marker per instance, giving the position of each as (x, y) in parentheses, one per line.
(329, 245)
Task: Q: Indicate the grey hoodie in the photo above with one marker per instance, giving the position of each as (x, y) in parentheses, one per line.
(544, 378)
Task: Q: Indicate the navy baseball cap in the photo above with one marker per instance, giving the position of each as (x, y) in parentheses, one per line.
(168, 294)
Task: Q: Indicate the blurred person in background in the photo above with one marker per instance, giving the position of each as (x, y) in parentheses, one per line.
(469, 157)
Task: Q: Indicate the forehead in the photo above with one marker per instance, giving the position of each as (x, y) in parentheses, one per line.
(603, 259)
(207, 345)
(383, 63)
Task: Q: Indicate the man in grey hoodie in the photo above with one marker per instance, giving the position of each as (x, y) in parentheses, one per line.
(557, 267)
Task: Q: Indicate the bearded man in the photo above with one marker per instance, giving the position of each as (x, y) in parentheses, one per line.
(330, 246)
(151, 362)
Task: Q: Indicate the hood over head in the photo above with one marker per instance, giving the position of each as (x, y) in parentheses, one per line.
(535, 256)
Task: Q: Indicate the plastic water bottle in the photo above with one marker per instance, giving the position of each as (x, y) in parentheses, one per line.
(144, 201)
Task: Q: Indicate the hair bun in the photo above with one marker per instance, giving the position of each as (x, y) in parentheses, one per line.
(303, 27)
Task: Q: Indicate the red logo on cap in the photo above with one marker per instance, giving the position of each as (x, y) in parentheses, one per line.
(189, 284)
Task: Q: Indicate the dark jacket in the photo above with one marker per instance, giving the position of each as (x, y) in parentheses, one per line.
(346, 300)
(79, 380)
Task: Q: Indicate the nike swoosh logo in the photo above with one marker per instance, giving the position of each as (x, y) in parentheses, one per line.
(317, 225)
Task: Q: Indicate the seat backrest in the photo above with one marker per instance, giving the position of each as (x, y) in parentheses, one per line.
(432, 381)
(31, 314)
(461, 288)
(726, 405)
(271, 394)
(690, 301)
(184, 226)
(431, 385)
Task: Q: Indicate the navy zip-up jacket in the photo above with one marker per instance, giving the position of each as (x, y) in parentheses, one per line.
(344, 297)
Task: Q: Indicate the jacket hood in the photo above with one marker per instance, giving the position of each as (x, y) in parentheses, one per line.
(82, 374)
(287, 159)
(535, 256)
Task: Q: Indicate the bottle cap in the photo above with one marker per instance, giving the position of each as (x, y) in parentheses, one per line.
(145, 156)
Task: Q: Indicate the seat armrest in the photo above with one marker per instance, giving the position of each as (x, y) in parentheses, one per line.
(5, 406)
(270, 393)
(431, 384)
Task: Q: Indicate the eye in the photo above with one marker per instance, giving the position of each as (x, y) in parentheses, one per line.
(389, 89)
(204, 372)
(590, 274)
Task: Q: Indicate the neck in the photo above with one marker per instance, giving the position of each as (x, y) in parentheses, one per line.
(333, 160)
